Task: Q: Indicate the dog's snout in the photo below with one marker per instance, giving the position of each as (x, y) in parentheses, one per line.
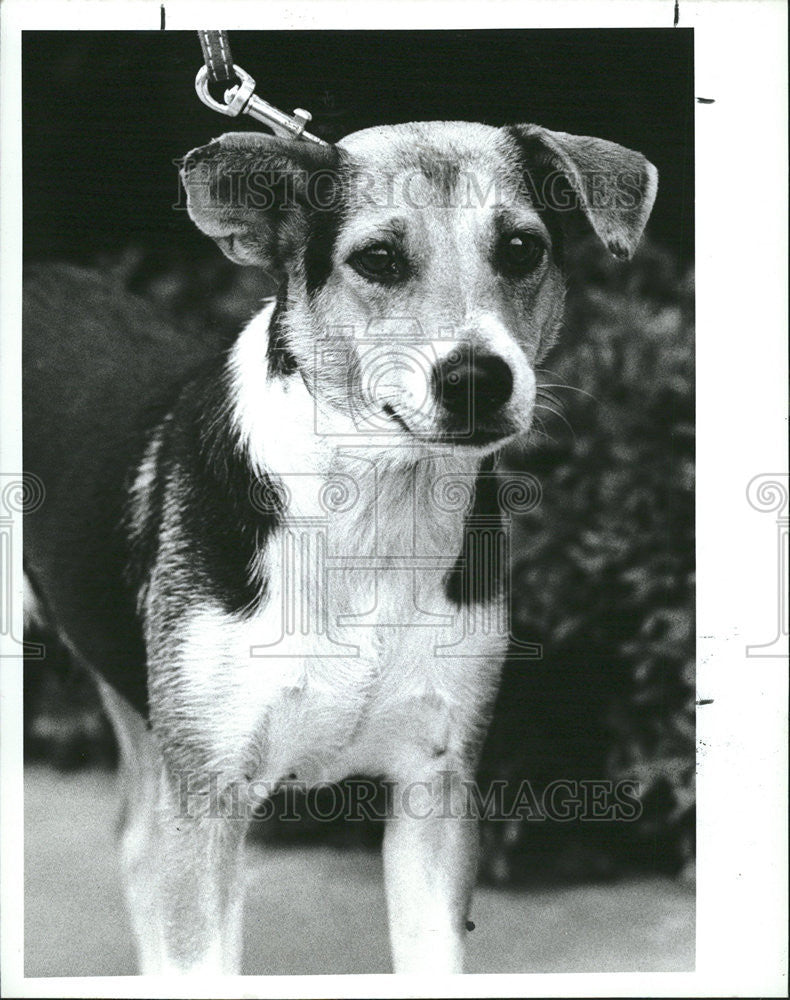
(468, 381)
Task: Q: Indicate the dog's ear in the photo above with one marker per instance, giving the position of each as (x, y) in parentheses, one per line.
(614, 187)
(244, 189)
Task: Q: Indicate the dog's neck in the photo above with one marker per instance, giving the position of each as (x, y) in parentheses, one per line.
(386, 493)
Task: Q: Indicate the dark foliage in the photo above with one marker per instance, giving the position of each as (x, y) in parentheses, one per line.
(604, 571)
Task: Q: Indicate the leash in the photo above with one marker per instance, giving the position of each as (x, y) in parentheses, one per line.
(241, 98)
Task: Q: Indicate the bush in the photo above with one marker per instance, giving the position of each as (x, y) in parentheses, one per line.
(604, 568)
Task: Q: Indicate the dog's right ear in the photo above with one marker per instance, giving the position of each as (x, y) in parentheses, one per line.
(243, 188)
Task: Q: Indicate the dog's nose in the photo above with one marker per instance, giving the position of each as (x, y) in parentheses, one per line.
(472, 384)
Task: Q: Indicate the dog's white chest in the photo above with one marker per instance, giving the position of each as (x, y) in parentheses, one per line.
(357, 656)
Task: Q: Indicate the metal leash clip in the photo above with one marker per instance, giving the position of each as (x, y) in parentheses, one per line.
(241, 98)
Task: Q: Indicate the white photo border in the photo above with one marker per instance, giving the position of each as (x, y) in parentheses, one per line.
(741, 305)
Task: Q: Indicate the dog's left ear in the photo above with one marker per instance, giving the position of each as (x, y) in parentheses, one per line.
(614, 187)
(244, 189)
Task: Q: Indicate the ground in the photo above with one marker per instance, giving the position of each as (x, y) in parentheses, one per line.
(321, 910)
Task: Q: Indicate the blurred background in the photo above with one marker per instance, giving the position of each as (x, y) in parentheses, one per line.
(603, 572)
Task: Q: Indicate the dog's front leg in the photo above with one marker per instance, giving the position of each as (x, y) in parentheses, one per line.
(194, 892)
(430, 864)
(181, 851)
(184, 878)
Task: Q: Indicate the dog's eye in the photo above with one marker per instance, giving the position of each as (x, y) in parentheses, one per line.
(520, 253)
(379, 262)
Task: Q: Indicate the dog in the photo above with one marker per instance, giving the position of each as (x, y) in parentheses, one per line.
(261, 553)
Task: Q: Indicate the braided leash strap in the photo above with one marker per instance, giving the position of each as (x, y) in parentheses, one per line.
(216, 52)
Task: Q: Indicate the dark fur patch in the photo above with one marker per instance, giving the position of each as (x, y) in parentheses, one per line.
(101, 369)
(537, 168)
(479, 575)
(282, 360)
(102, 373)
(144, 537)
(220, 528)
(324, 225)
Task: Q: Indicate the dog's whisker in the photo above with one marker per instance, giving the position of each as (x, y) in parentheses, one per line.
(539, 430)
(560, 415)
(552, 397)
(572, 388)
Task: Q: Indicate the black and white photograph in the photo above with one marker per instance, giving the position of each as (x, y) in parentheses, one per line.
(356, 568)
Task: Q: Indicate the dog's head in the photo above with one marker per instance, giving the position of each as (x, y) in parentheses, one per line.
(420, 263)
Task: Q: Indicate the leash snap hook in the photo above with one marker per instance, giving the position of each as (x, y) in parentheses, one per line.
(241, 98)
(236, 97)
